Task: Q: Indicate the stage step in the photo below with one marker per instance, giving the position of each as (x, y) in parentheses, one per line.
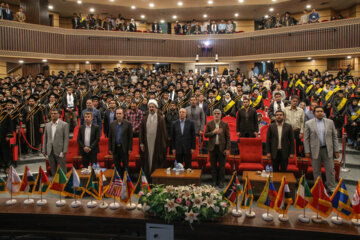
(34, 168)
(31, 158)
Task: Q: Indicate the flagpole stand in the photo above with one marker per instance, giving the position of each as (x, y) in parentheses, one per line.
(11, 202)
(114, 206)
(29, 201)
(355, 221)
(139, 207)
(267, 216)
(336, 220)
(317, 219)
(303, 219)
(250, 214)
(41, 202)
(103, 205)
(60, 203)
(131, 206)
(91, 204)
(75, 204)
(236, 212)
(283, 218)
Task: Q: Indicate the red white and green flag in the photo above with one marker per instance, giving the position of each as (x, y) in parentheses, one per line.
(248, 195)
(27, 182)
(142, 185)
(303, 194)
(283, 199)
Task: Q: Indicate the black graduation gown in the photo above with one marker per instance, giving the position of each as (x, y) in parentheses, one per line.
(33, 120)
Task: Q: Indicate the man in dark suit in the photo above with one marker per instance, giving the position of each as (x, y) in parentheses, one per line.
(183, 138)
(120, 141)
(246, 121)
(219, 147)
(7, 13)
(109, 117)
(75, 21)
(88, 140)
(69, 103)
(280, 142)
(155, 27)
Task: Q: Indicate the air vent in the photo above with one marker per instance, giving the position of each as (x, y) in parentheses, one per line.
(324, 3)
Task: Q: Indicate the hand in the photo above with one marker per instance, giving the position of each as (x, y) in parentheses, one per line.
(201, 133)
(268, 156)
(307, 155)
(216, 131)
(129, 152)
(7, 139)
(192, 151)
(291, 156)
(220, 130)
(301, 135)
(142, 148)
(354, 124)
(110, 152)
(24, 130)
(337, 155)
(41, 130)
(238, 134)
(174, 152)
(45, 155)
(227, 152)
(86, 149)
(256, 134)
(61, 155)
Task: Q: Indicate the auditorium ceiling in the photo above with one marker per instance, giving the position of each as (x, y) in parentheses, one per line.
(187, 10)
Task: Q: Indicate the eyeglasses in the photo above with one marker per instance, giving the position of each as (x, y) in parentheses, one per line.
(217, 113)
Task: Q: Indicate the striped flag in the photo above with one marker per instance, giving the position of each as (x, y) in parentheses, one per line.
(231, 193)
(127, 189)
(94, 185)
(58, 183)
(42, 182)
(303, 194)
(248, 195)
(268, 195)
(73, 185)
(115, 186)
(320, 201)
(27, 182)
(356, 202)
(142, 185)
(2, 185)
(283, 199)
(341, 203)
(13, 182)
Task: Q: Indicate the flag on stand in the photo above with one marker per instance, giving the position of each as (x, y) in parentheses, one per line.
(142, 186)
(127, 188)
(248, 195)
(94, 185)
(41, 183)
(2, 185)
(268, 195)
(73, 185)
(341, 202)
(13, 181)
(58, 183)
(283, 199)
(320, 199)
(231, 192)
(303, 194)
(115, 186)
(356, 202)
(27, 182)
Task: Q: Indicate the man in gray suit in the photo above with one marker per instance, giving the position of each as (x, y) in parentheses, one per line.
(56, 141)
(321, 144)
(196, 114)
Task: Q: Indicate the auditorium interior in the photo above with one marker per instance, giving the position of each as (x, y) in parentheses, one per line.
(179, 55)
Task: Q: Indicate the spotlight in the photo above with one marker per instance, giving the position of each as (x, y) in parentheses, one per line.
(271, 9)
(87, 62)
(180, 4)
(207, 43)
(309, 58)
(348, 57)
(51, 7)
(241, 1)
(210, 2)
(151, 5)
(44, 60)
(236, 15)
(120, 61)
(205, 16)
(142, 16)
(162, 21)
(21, 61)
(216, 57)
(79, 2)
(133, 7)
(266, 16)
(92, 10)
(308, 6)
(197, 58)
(174, 17)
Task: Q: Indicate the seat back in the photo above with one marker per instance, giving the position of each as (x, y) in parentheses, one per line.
(135, 150)
(250, 150)
(263, 133)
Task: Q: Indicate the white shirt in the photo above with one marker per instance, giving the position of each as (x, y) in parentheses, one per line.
(53, 129)
(217, 126)
(87, 136)
(279, 128)
(70, 100)
(152, 117)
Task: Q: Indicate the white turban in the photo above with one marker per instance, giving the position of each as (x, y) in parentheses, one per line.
(153, 101)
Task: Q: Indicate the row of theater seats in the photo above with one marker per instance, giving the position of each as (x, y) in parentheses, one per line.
(250, 158)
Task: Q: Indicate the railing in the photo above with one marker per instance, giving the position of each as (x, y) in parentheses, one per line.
(37, 41)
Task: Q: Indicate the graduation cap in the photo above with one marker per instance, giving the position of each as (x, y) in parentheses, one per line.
(256, 88)
(211, 91)
(152, 93)
(125, 84)
(82, 83)
(53, 94)
(109, 95)
(9, 101)
(121, 94)
(131, 86)
(118, 88)
(171, 84)
(95, 97)
(137, 90)
(35, 97)
(180, 90)
(340, 91)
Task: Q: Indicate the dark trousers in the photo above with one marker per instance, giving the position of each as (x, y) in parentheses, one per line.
(5, 160)
(184, 158)
(88, 158)
(298, 143)
(121, 157)
(247, 135)
(217, 172)
(279, 163)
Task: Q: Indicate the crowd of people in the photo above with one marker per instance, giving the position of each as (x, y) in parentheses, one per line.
(167, 109)
(7, 14)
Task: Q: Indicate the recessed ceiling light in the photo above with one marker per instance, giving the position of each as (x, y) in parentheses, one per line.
(21, 61)
(162, 21)
(44, 60)
(309, 58)
(151, 5)
(266, 16)
(268, 61)
(210, 2)
(308, 6)
(205, 16)
(142, 16)
(133, 7)
(111, 0)
(51, 7)
(180, 3)
(348, 57)
(241, 1)
(157, 63)
(274, 0)
(92, 9)
(87, 62)
(79, 2)
(120, 61)
(271, 9)
(174, 17)
(236, 14)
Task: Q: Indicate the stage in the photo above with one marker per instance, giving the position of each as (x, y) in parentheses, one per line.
(84, 223)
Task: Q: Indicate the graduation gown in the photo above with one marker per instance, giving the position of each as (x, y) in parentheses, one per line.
(5, 131)
(33, 120)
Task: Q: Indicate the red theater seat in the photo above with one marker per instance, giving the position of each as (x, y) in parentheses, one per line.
(250, 154)
(134, 158)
